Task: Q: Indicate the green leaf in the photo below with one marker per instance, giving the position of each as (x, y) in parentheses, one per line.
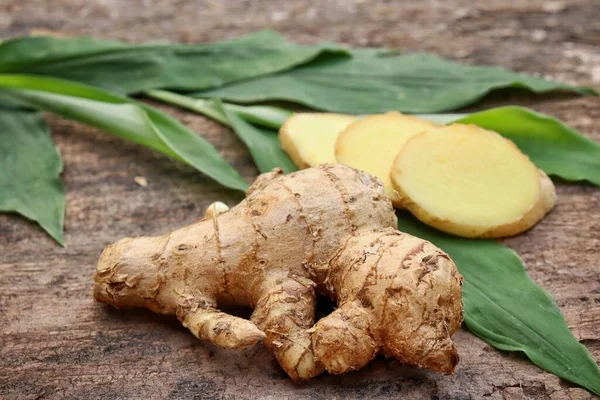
(266, 116)
(30, 166)
(553, 146)
(263, 145)
(370, 82)
(129, 68)
(504, 307)
(122, 117)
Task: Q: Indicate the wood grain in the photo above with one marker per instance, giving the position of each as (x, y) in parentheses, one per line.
(56, 343)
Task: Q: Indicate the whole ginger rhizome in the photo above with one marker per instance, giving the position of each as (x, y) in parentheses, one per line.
(328, 229)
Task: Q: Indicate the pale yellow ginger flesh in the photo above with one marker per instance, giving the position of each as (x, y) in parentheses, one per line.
(328, 230)
(471, 182)
(309, 138)
(372, 143)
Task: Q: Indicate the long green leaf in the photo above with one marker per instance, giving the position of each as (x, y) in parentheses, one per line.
(504, 307)
(30, 166)
(129, 68)
(122, 117)
(266, 116)
(262, 143)
(370, 82)
(553, 146)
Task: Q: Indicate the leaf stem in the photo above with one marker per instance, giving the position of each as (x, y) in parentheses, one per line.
(266, 116)
(201, 106)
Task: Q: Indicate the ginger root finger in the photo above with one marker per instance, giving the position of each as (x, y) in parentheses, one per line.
(343, 341)
(313, 230)
(221, 329)
(309, 138)
(471, 182)
(372, 143)
(284, 311)
(411, 291)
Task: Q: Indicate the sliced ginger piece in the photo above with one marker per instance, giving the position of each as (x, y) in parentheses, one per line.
(372, 143)
(471, 182)
(309, 138)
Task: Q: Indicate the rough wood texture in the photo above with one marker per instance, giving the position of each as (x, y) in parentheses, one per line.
(55, 342)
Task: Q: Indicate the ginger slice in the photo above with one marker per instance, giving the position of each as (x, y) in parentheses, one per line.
(372, 143)
(471, 182)
(309, 138)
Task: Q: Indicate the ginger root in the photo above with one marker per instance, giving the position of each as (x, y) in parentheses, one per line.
(309, 138)
(471, 182)
(372, 143)
(329, 230)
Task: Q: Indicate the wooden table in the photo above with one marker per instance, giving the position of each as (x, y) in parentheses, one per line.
(56, 342)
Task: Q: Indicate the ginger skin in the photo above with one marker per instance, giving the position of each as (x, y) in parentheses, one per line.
(328, 229)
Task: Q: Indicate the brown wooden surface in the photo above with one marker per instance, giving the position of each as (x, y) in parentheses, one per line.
(55, 342)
